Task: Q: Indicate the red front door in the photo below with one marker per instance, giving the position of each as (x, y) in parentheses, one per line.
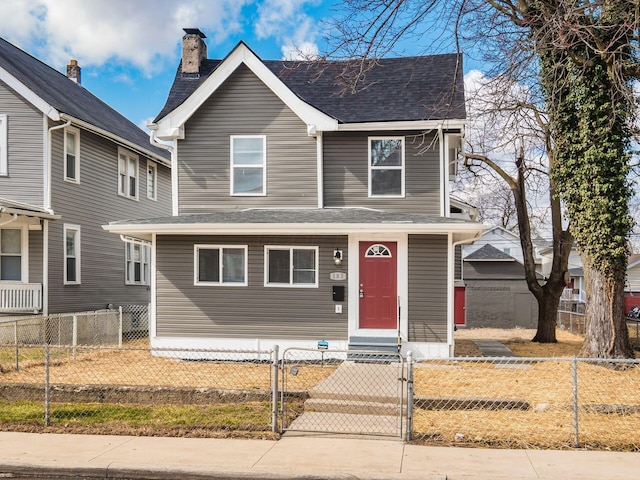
(378, 285)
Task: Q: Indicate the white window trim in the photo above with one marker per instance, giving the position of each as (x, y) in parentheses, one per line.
(401, 167)
(221, 282)
(263, 166)
(24, 253)
(125, 193)
(76, 228)
(145, 259)
(76, 133)
(152, 166)
(4, 146)
(291, 248)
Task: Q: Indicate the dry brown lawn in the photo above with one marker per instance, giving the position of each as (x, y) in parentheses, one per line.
(545, 386)
(519, 341)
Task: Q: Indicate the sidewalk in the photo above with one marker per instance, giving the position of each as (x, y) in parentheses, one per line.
(293, 457)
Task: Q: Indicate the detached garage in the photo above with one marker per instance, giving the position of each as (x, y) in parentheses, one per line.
(496, 291)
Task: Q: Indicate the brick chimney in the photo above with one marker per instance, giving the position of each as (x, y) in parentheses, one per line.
(73, 71)
(194, 50)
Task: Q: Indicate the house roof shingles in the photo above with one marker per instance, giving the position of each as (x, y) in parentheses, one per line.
(301, 216)
(488, 252)
(395, 89)
(70, 98)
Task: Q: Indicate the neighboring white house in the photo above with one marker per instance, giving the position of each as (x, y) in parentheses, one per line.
(501, 239)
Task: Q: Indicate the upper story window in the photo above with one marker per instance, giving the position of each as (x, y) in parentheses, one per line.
(127, 174)
(4, 160)
(71, 254)
(291, 266)
(72, 154)
(248, 164)
(137, 260)
(11, 254)
(386, 166)
(152, 181)
(220, 265)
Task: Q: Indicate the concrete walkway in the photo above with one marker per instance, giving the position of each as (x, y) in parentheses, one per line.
(493, 348)
(293, 457)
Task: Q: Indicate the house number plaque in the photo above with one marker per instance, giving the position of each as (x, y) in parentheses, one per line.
(337, 276)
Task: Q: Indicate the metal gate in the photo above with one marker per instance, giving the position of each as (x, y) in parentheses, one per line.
(348, 392)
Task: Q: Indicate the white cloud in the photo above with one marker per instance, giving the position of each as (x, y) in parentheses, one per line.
(142, 33)
(286, 21)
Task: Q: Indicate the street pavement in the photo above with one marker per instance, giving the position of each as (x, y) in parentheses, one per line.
(305, 456)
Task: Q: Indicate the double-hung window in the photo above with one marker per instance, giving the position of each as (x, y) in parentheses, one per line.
(127, 174)
(248, 164)
(386, 167)
(152, 181)
(4, 159)
(72, 154)
(11, 254)
(137, 259)
(291, 266)
(220, 265)
(71, 254)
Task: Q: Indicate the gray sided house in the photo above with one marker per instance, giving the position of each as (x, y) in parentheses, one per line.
(69, 163)
(303, 214)
(497, 295)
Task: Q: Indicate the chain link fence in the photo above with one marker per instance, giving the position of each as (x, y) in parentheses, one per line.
(472, 401)
(127, 323)
(528, 403)
(133, 391)
(347, 392)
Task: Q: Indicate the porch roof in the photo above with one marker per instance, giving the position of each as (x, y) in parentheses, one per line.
(325, 221)
(17, 208)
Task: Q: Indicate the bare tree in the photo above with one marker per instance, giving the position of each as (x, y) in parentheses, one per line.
(577, 57)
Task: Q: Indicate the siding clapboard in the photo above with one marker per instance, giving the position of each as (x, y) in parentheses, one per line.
(35, 256)
(92, 203)
(346, 171)
(245, 106)
(428, 273)
(255, 311)
(25, 156)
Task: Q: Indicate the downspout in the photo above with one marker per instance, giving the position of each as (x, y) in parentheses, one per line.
(320, 169)
(451, 289)
(14, 217)
(444, 172)
(47, 182)
(45, 223)
(174, 166)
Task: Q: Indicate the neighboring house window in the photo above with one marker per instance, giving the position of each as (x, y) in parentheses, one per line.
(386, 166)
(248, 161)
(72, 154)
(137, 259)
(291, 266)
(152, 181)
(220, 265)
(507, 251)
(11, 254)
(4, 161)
(71, 254)
(127, 174)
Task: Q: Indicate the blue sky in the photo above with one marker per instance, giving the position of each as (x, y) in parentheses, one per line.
(129, 49)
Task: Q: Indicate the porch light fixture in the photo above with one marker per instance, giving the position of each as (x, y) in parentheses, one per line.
(337, 257)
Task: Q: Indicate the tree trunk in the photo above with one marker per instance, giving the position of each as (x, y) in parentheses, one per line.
(606, 333)
(548, 315)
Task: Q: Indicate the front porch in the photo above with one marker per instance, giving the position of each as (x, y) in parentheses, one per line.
(18, 297)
